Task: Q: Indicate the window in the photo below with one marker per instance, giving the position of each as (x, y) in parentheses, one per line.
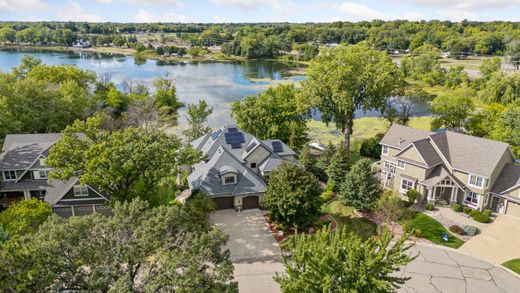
(476, 181)
(390, 167)
(400, 165)
(384, 150)
(43, 162)
(80, 190)
(44, 174)
(229, 179)
(10, 175)
(471, 198)
(253, 165)
(406, 184)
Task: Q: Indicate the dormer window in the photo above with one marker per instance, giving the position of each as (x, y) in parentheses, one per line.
(384, 150)
(80, 191)
(44, 174)
(229, 179)
(10, 175)
(43, 162)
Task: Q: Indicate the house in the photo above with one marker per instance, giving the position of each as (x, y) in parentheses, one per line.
(451, 167)
(25, 175)
(237, 167)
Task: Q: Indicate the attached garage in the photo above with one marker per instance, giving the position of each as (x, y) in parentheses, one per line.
(250, 202)
(513, 209)
(224, 203)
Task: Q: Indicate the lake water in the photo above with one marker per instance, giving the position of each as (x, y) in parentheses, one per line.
(219, 83)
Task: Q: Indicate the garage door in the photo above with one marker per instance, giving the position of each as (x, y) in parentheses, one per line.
(513, 209)
(250, 202)
(224, 203)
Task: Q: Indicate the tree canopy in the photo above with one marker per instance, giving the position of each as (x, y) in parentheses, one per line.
(197, 116)
(273, 114)
(346, 79)
(24, 217)
(361, 188)
(451, 111)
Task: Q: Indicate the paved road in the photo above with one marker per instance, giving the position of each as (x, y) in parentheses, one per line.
(498, 242)
(438, 269)
(254, 251)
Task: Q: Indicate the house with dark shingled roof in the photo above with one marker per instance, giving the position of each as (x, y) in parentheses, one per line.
(451, 167)
(237, 167)
(25, 176)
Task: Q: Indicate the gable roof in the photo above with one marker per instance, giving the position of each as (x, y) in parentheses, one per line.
(400, 136)
(508, 179)
(426, 151)
(468, 153)
(438, 174)
(21, 150)
(206, 176)
(286, 150)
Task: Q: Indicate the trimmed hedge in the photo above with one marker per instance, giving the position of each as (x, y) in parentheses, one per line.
(467, 210)
(480, 217)
(429, 206)
(456, 207)
(487, 212)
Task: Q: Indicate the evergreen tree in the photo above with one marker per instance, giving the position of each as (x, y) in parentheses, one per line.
(338, 167)
(361, 188)
(325, 158)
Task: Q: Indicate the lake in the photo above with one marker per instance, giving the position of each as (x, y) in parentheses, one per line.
(219, 83)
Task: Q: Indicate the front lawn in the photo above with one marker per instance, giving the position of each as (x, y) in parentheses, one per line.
(346, 217)
(513, 265)
(432, 230)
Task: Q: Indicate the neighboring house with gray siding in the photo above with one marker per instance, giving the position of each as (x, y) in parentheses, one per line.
(451, 167)
(237, 167)
(25, 175)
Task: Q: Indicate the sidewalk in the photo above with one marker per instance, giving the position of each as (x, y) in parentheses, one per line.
(447, 217)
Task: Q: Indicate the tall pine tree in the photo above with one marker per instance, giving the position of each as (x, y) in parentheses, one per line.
(361, 188)
(338, 167)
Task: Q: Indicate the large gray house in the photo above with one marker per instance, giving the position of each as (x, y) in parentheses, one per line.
(237, 167)
(451, 167)
(25, 175)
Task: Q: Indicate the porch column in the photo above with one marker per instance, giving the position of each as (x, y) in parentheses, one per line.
(73, 212)
(27, 194)
(93, 208)
(453, 195)
(430, 195)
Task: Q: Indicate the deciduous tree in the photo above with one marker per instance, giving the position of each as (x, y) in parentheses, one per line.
(197, 116)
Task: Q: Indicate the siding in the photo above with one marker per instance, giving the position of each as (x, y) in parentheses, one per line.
(410, 170)
(257, 156)
(391, 153)
(412, 154)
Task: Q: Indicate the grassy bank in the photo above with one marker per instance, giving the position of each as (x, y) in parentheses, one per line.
(513, 265)
(430, 229)
(347, 218)
(365, 127)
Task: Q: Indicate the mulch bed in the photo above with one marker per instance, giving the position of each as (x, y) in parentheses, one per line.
(287, 234)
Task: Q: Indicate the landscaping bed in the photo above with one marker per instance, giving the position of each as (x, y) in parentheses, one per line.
(324, 221)
(428, 228)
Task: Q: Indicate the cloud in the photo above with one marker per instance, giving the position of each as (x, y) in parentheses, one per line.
(473, 5)
(358, 11)
(22, 5)
(279, 6)
(74, 12)
(242, 4)
(165, 3)
(414, 16)
(457, 15)
(219, 19)
(105, 1)
(146, 16)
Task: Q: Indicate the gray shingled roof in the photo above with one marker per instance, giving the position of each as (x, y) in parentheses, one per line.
(206, 176)
(21, 150)
(508, 178)
(399, 136)
(427, 152)
(438, 174)
(286, 149)
(58, 188)
(472, 154)
(270, 164)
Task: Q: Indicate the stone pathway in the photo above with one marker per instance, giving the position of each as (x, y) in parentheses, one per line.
(438, 269)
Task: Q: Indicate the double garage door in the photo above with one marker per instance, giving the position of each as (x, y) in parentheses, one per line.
(248, 202)
(513, 209)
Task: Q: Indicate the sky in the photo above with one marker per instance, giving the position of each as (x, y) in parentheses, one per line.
(211, 11)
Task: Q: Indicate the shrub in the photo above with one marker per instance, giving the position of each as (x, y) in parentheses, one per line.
(429, 206)
(473, 213)
(470, 230)
(456, 207)
(371, 148)
(466, 210)
(480, 217)
(327, 195)
(487, 212)
(457, 229)
(417, 232)
(412, 195)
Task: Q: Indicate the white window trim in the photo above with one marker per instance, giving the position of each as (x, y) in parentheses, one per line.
(80, 187)
(392, 164)
(43, 162)
(401, 186)
(15, 175)
(477, 176)
(397, 165)
(470, 203)
(383, 147)
(229, 176)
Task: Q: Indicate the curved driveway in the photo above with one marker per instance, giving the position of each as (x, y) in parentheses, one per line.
(438, 269)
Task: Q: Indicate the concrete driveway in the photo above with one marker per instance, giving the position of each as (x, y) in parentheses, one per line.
(254, 251)
(438, 269)
(498, 242)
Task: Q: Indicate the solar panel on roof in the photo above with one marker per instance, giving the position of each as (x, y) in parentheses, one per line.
(232, 129)
(250, 146)
(277, 146)
(236, 145)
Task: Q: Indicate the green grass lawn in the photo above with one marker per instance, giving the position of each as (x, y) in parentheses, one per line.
(513, 265)
(432, 230)
(345, 217)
